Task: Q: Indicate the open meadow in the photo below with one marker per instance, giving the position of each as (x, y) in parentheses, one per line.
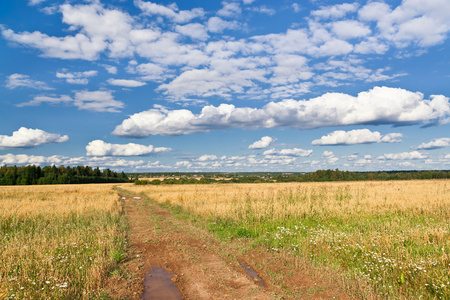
(59, 241)
(386, 239)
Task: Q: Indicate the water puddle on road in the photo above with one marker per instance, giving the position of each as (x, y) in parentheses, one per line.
(158, 285)
(252, 273)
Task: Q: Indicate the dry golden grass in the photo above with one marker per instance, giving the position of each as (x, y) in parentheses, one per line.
(280, 200)
(58, 241)
(57, 200)
(393, 236)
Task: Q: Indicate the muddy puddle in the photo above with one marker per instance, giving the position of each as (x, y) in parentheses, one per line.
(158, 285)
(252, 273)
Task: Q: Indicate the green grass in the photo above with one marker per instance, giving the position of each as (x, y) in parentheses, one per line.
(399, 255)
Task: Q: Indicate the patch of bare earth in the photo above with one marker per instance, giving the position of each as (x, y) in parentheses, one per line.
(204, 268)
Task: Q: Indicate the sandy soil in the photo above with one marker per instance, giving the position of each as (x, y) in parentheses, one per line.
(204, 268)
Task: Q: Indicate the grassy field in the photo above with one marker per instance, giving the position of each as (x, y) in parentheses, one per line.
(387, 239)
(59, 242)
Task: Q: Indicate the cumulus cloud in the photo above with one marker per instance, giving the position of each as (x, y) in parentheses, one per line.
(38, 100)
(20, 80)
(357, 136)
(77, 77)
(381, 105)
(195, 31)
(126, 82)
(264, 142)
(217, 25)
(403, 156)
(100, 101)
(263, 10)
(23, 159)
(171, 12)
(335, 11)
(330, 157)
(435, 144)
(207, 157)
(249, 66)
(35, 2)
(425, 24)
(295, 152)
(98, 29)
(225, 77)
(110, 69)
(229, 9)
(28, 138)
(102, 162)
(101, 148)
(200, 69)
(350, 29)
(149, 71)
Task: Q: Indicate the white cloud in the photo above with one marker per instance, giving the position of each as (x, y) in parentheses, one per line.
(183, 164)
(149, 71)
(38, 100)
(381, 105)
(207, 157)
(171, 12)
(330, 157)
(99, 29)
(349, 29)
(195, 31)
(100, 148)
(126, 82)
(100, 101)
(229, 9)
(357, 136)
(110, 69)
(403, 156)
(295, 152)
(328, 154)
(225, 77)
(95, 161)
(217, 25)
(290, 69)
(412, 22)
(23, 159)
(435, 144)
(264, 142)
(28, 138)
(335, 11)
(20, 80)
(263, 10)
(296, 7)
(35, 2)
(77, 77)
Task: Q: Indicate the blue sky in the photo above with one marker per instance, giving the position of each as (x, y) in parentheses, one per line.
(244, 85)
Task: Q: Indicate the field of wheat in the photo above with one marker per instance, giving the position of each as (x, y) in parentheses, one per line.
(60, 241)
(394, 236)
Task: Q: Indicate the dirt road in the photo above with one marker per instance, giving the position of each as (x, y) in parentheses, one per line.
(203, 268)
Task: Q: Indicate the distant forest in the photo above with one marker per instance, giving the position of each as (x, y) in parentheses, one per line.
(317, 176)
(13, 175)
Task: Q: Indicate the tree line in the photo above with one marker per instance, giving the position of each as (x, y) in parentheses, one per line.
(317, 176)
(29, 175)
